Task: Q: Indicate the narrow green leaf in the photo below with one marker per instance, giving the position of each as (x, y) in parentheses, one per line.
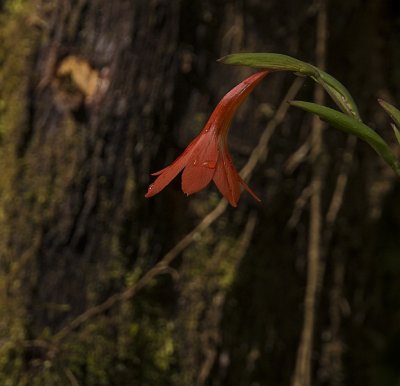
(394, 113)
(338, 93)
(396, 132)
(353, 126)
(270, 61)
(279, 62)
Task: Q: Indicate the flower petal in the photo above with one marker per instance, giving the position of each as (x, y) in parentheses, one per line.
(166, 175)
(201, 166)
(200, 160)
(245, 186)
(227, 107)
(227, 179)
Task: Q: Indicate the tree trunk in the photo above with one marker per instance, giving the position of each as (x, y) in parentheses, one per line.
(95, 95)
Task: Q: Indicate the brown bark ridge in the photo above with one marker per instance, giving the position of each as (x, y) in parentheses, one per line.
(99, 83)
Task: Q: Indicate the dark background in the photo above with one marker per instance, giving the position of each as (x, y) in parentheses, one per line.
(77, 234)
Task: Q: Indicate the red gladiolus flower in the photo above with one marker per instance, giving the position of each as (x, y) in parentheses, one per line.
(207, 156)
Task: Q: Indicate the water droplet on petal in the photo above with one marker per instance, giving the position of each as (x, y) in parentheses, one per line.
(210, 164)
(195, 162)
(151, 187)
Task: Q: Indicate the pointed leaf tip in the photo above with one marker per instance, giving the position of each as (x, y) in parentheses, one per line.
(396, 132)
(394, 114)
(338, 92)
(392, 111)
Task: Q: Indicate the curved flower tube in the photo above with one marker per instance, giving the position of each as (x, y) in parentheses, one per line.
(207, 156)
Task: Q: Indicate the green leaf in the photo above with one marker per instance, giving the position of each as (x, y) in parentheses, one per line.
(270, 61)
(396, 132)
(353, 126)
(279, 62)
(394, 113)
(338, 93)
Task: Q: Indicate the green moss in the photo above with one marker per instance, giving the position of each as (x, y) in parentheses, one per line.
(117, 350)
(19, 34)
(18, 41)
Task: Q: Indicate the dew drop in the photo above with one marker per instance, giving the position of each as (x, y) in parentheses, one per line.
(195, 162)
(151, 187)
(210, 164)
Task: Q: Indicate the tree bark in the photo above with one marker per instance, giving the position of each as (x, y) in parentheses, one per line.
(95, 95)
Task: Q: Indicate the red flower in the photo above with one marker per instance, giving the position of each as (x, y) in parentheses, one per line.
(207, 156)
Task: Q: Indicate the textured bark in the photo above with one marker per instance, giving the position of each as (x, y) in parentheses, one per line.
(78, 154)
(98, 94)
(78, 159)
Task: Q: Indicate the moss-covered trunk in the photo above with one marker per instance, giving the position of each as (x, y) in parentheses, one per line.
(96, 83)
(95, 94)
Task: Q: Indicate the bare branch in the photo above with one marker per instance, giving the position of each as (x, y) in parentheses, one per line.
(302, 374)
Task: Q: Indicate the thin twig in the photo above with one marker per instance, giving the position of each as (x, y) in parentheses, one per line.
(261, 150)
(299, 206)
(212, 337)
(331, 366)
(158, 269)
(71, 377)
(302, 374)
(341, 184)
(331, 357)
(298, 157)
(337, 196)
